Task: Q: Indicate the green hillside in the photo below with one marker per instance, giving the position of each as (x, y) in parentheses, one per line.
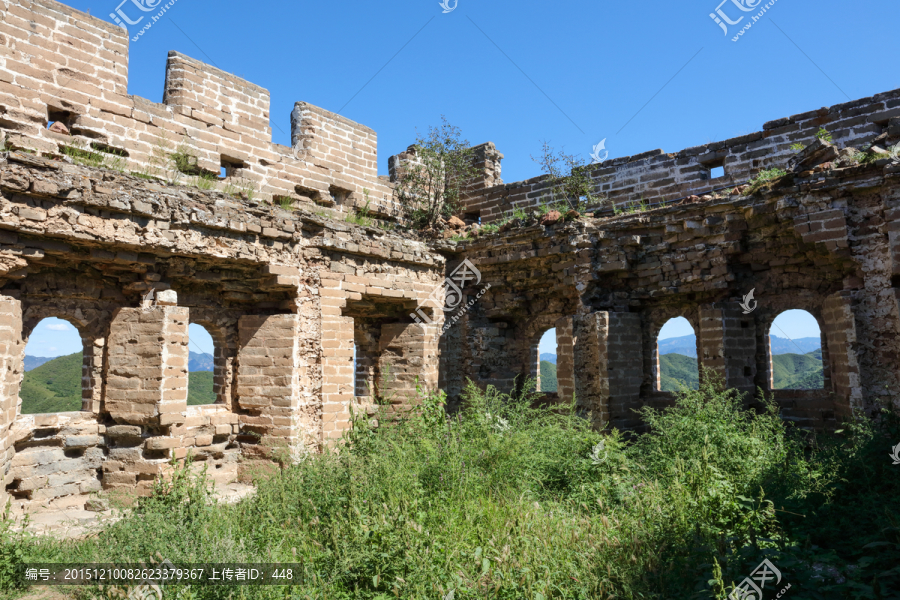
(675, 369)
(54, 386)
(798, 371)
(790, 371)
(200, 388)
(548, 377)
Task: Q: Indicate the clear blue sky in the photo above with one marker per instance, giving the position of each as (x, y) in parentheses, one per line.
(519, 72)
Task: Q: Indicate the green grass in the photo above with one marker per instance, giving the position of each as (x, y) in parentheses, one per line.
(548, 377)
(508, 501)
(55, 386)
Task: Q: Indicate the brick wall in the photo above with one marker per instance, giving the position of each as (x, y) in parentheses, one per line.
(727, 342)
(141, 341)
(565, 359)
(59, 64)
(11, 369)
(656, 176)
(609, 366)
(839, 329)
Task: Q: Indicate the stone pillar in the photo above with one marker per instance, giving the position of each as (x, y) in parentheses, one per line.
(12, 351)
(147, 371)
(277, 379)
(565, 359)
(609, 367)
(408, 358)
(727, 343)
(840, 334)
(337, 375)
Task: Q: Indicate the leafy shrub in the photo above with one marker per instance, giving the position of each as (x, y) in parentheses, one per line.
(504, 499)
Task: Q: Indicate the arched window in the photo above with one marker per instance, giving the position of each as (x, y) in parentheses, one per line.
(795, 343)
(54, 368)
(676, 352)
(547, 353)
(201, 366)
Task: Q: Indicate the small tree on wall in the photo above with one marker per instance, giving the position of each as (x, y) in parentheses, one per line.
(570, 183)
(431, 182)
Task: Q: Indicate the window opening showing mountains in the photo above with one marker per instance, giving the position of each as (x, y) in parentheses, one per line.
(54, 384)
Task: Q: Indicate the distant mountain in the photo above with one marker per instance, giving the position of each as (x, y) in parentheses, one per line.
(686, 345)
(200, 388)
(790, 371)
(33, 362)
(675, 369)
(798, 371)
(200, 362)
(548, 377)
(550, 358)
(55, 386)
(797, 346)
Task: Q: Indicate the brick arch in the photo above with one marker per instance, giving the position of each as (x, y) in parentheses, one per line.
(654, 320)
(526, 338)
(93, 328)
(224, 333)
(764, 343)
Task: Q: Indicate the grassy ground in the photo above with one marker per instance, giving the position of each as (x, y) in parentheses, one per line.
(505, 501)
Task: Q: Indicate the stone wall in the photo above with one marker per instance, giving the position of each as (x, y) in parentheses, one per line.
(290, 296)
(59, 65)
(656, 176)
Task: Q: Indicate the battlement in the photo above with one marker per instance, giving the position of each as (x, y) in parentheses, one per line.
(656, 176)
(60, 65)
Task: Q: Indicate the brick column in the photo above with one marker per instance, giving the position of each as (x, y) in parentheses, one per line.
(337, 375)
(277, 379)
(12, 351)
(609, 366)
(565, 359)
(147, 379)
(409, 352)
(840, 334)
(727, 343)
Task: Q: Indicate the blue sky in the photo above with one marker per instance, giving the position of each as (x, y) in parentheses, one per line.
(641, 75)
(53, 337)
